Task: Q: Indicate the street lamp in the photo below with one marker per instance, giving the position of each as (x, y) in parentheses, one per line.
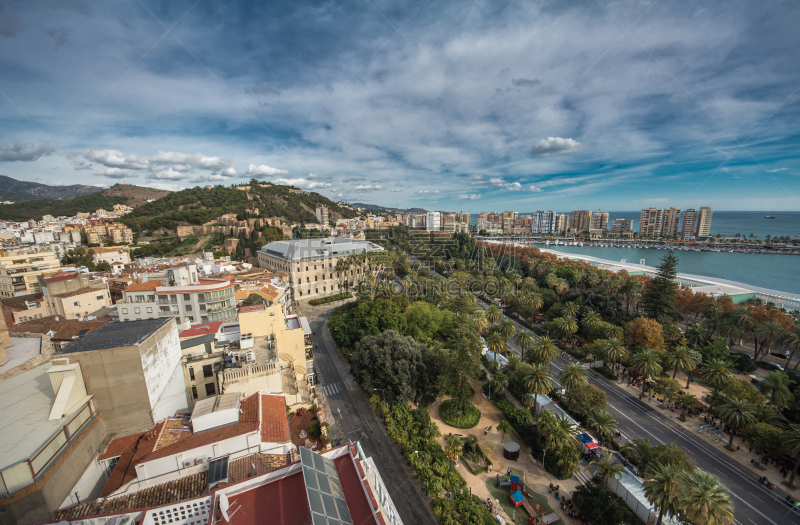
(794, 506)
(382, 392)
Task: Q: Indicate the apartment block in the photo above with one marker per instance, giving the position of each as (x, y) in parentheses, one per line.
(689, 224)
(621, 226)
(322, 215)
(580, 221)
(543, 222)
(599, 221)
(670, 222)
(704, 221)
(650, 222)
(73, 295)
(562, 223)
(20, 269)
(433, 222)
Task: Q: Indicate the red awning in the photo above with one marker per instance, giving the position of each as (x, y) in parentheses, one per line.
(591, 446)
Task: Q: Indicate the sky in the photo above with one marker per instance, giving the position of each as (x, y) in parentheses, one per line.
(445, 105)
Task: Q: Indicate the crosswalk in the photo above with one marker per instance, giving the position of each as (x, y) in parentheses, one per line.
(320, 319)
(332, 389)
(582, 477)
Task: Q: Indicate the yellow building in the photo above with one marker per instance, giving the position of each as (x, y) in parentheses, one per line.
(19, 270)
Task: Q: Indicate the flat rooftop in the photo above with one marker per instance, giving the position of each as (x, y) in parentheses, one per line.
(25, 404)
(118, 335)
(318, 248)
(21, 350)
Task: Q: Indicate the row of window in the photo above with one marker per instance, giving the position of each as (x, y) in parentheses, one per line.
(316, 277)
(316, 290)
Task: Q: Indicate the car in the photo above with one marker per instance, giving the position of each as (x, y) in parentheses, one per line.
(782, 355)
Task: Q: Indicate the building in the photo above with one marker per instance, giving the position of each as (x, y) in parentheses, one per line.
(600, 220)
(19, 270)
(51, 433)
(704, 221)
(183, 295)
(580, 221)
(73, 295)
(670, 222)
(106, 233)
(433, 223)
(650, 222)
(133, 371)
(313, 264)
(621, 226)
(490, 222)
(62, 332)
(112, 256)
(689, 224)
(322, 215)
(25, 308)
(562, 223)
(543, 222)
(508, 219)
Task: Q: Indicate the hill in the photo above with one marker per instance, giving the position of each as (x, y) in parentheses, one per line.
(35, 209)
(201, 205)
(136, 195)
(18, 190)
(375, 207)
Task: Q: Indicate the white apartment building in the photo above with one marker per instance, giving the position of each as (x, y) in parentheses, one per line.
(543, 222)
(704, 221)
(434, 221)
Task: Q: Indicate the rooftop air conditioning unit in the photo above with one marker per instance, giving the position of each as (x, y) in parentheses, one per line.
(188, 463)
(201, 460)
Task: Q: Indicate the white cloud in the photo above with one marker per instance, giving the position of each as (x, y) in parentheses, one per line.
(113, 173)
(776, 170)
(556, 145)
(368, 187)
(264, 171)
(534, 189)
(113, 158)
(396, 190)
(195, 160)
(167, 174)
(210, 178)
(475, 177)
(427, 192)
(26, 152)
(305, 184)
(468, 196)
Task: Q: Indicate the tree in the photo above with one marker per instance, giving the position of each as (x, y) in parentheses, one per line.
(496, 343)
(765, 439)
(667, 388)
(504, 427)
(607, 468)
(525, 341)
(586, 399)
(493, 314)
(777, 384)
(736, 413)
(572, 376)
(768, 333)
(545, 350)
(453, 447)
(658, 297)
(538, 381)
(464, 364)
(603, 422)
(644, 332)
(603, 507)
(717, 375)
(696, 334)
(646, 363)
(638, 452)
(661, 490)
(686, 401)
(791, 342)
(506, 329)
(614, 350)
(704, 500)
(391, 362)
(566, 325)
(682, 359)
(671, 454)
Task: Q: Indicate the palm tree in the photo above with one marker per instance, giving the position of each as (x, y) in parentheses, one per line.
(496, 343)
(512, 365)
(696, 334)
(703, 500)
(638, 451)
(533, 301)
(574, 375)
(661, 490)
(686, 401)
(507, 329)
(591, 320)
(792, 444)
(499, 383)
(453, 447)
(504, 428)
(606, 468)
(769, 334)
(481, 323)
(566, 325)
(737, 414)
(646, 363)
(545, 350)
(614, 350)
(525, 341)
(777, 383)
(604, 423)
(717, 375)
(493, 314)
(613, 331)
(682, 359)
(570, 309)
(791, 342)
(528, 402)
(539, 381)
(765, 414)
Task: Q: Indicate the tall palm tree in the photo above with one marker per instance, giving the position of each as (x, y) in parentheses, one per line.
(525, 341)
(661, 490)
(545, 350)
(744, 319)
(682, 359)
(717, 375)
(607, 468)
(533, 301)
(453, 447)
(604, 423)
(638, 451)
(737, 414)
(573, 375)
(481, 323)
(566, 325)
(493, 314)
(538, 381)
(507, 329)
(614, 350)
(769, 334)
(696, 334)
(496, 343)
(792, 444)
(504, 428)
(613, 331)
(686, 401)
(499, 383)
(570, 309)
(703, 499)
(591, 320)
(646, 363)
(777, 384)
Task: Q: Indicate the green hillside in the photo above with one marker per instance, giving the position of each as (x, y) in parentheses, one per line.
(17, 190)
(35, 209)
(202, 205)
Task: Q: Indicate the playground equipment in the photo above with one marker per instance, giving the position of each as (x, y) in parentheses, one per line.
(517, 498)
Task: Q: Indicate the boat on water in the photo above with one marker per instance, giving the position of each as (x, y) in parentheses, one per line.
(769, 217)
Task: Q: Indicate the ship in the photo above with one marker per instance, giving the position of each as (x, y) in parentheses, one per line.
(769, 217)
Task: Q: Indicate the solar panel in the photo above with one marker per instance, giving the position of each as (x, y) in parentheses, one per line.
(218, 470)
(324, 490)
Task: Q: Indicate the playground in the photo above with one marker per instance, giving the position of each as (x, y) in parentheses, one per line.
(513, 492)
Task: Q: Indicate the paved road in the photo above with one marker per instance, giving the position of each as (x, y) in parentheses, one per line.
(353, 419)
(754, 503)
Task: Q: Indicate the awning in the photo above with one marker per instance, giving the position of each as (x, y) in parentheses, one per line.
(591, 446)
(304, 324)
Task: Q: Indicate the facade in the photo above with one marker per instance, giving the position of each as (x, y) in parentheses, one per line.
(312, 264)
(491, 222)
(51, 432)
(433, 222)
(600, 220)
(704, 221)
(133, 371)
(650, 222)
(111, 255)
(621, 226)
(322, 215)
(19, 270)
(73, 295)
(183, 295)
(670, 222)
(543, 222)
(508, 219)
(105, 233)
(562, 223)
(580, 221)
(689, 224)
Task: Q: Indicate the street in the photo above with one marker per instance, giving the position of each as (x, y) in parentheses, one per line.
(352, 419)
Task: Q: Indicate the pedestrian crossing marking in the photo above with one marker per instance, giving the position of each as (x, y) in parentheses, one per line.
(332, 389)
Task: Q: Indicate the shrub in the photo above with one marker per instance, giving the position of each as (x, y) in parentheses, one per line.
(314, 428)
(606, 372)
(483, 375)
(451, 415)
(330, 299)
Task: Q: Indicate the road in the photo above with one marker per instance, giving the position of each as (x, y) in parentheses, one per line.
(352, 418)
(754, 503)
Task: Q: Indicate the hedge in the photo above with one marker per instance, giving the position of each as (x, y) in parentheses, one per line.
(330, 299)
(453, 417)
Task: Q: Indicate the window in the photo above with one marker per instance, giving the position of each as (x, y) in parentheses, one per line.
(99, 297)
(187, 297)
(210, 390)
(208, 370)
(306, 268)
(308, 279)
(194, 392)
(76, 303)
(315, 266)
(124, 310)
(301, 293)
(149, 309)
(137, 310)
(316, 278)
(299, 280)
(188, 307)
(191, 373)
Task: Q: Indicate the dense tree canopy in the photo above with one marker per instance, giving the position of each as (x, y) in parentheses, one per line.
(391, 362)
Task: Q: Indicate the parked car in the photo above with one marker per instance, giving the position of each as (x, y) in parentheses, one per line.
(781, 355)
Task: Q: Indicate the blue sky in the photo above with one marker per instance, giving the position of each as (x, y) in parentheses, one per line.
(445, 105)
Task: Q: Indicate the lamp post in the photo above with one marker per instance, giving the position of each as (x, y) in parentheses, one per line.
(794, 506)
(382, 392)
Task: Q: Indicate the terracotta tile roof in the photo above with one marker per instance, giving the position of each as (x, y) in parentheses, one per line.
(201, 329)
(174, 491)
(274, 422)
(118, 446)
(147, 286)
(125, 471)
(242, 468)
(18, 303)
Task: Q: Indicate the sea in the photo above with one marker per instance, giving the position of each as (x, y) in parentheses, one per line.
(772, 271)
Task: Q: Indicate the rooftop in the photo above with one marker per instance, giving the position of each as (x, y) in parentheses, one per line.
(252, 308)
(117, 335)
(201, 329)
(318, 248)
(195, 341)
(148, 286)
